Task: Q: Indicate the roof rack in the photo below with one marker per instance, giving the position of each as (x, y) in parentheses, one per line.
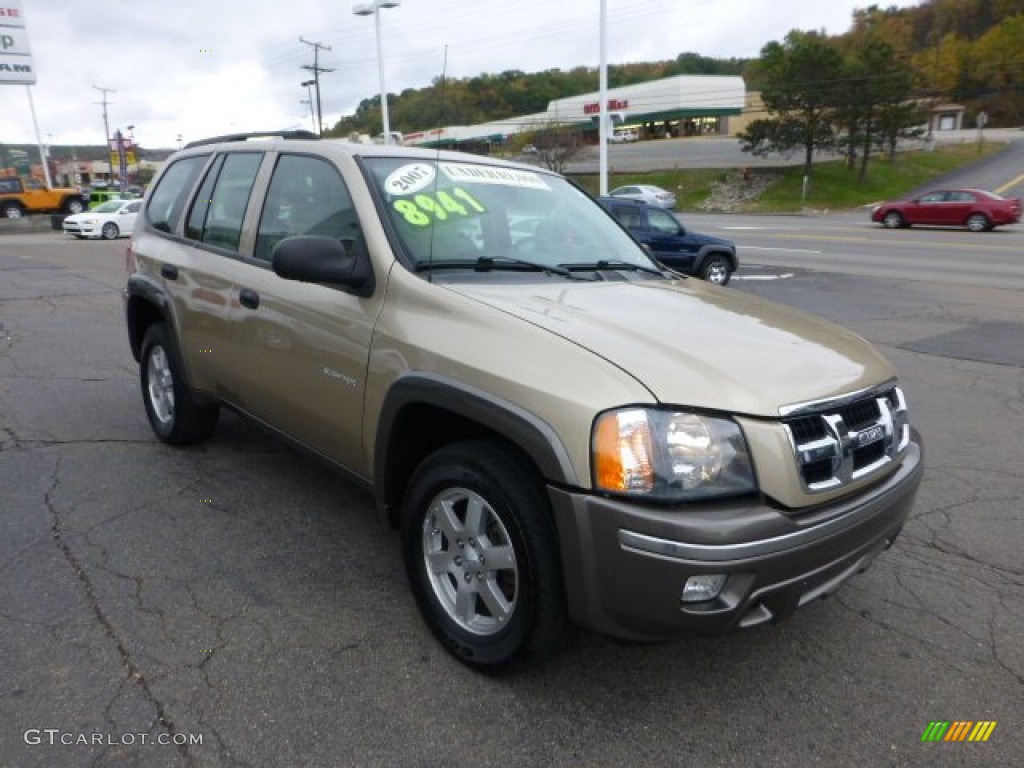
(253, 135)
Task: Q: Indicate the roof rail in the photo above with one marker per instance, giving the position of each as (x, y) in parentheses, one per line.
(253, 135)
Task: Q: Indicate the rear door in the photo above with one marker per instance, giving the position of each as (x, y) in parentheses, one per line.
(206, 281)
(958, 207)
(930, 209)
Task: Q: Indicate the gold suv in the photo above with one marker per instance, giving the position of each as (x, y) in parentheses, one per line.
(488, 350)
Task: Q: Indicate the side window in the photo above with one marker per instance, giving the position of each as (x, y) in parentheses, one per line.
(934, 197)
(34, 184)
(200, 206)
(306, 196)
(168, 199)
(663, 221)
(227, 204)
(9, 186)
(132, 207)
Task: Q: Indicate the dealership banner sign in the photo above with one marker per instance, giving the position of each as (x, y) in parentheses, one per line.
(16, 65)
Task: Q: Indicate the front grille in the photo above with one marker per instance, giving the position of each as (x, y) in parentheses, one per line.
(843, 440)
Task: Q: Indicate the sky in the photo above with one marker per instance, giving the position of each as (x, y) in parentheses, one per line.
(200, 68)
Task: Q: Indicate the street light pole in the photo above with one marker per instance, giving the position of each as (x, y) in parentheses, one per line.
(373, 9)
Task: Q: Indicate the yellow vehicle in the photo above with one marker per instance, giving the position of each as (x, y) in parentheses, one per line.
(20, 196)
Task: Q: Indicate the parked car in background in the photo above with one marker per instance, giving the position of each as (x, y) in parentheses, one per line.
(624, 136)
(648, 193)
(975, 209)
(97, 197)
(683, 250)
(114, 218)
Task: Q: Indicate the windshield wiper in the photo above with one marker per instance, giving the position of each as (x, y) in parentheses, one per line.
(488, 263)
(614, 264)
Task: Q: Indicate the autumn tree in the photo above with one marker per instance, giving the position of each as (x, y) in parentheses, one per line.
(798, 80)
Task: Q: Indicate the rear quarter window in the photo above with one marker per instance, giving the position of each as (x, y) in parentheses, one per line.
(171, 193)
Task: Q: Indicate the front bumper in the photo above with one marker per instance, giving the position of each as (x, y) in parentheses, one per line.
(625, 564)
(83, 230)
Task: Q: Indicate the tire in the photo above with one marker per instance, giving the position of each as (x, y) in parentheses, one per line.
(110, 231)
(74, 206)
(893, 220)
(12, 211)
(716, 269)
(488, 585)
(174, 416)
(978, 222)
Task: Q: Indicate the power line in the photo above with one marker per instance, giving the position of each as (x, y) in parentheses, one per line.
(316, 69)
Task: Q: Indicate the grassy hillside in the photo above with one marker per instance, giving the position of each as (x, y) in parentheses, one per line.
(832, 186)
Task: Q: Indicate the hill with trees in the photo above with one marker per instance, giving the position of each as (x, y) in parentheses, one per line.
(965, 51)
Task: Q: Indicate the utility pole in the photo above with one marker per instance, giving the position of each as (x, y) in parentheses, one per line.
(106, 127)
(316, 69)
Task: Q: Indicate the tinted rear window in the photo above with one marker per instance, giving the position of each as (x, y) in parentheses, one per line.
(168, 199)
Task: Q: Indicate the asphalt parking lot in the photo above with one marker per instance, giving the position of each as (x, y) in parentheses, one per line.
(236, 604)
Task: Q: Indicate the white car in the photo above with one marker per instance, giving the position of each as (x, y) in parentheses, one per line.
(114, 218)
(650, 194)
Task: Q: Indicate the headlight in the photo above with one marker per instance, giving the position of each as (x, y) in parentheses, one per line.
(669, 455)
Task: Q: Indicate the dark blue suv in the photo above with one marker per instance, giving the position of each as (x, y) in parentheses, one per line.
(711, 258)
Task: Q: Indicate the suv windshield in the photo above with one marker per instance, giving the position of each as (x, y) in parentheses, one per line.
(458, 213)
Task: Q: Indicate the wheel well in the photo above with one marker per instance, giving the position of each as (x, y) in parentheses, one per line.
(418, 430)
(728, 256)
(140, 314)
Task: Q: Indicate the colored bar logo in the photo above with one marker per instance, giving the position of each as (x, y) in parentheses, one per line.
(958, 730)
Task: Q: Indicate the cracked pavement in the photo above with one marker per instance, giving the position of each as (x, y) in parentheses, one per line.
(239, 592)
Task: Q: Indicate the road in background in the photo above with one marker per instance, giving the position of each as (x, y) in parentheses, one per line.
(240, 593)
(849, 243)
(725, 152)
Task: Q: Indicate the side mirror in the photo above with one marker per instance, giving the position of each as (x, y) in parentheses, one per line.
(327, 260)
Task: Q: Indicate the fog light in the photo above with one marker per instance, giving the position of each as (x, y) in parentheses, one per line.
(704, 587)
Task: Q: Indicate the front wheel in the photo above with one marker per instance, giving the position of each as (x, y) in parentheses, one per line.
(110, 231)
(12, 211)
(716, 269)
(74, 206)
(174, 416)
(892, 220)
(978, 222)
(481, 553)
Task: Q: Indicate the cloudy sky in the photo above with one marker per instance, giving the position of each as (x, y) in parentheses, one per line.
(196, 68)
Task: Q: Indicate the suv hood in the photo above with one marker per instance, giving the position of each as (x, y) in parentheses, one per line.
(697, 345)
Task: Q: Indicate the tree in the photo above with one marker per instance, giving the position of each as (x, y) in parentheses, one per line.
(798, 80)
(557, 144)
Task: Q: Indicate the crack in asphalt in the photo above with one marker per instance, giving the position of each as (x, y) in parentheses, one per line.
(134, 672)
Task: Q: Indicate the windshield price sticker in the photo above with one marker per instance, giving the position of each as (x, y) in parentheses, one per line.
(409, 179)
(466, 173)
(422, 209)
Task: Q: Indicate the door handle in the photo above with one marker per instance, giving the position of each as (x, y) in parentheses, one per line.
(249, 298)
(169, 271)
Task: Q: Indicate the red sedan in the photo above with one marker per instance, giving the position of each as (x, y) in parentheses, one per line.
(975, 209)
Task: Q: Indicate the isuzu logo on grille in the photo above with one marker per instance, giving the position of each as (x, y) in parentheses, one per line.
(869, 435)
(834, 456)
